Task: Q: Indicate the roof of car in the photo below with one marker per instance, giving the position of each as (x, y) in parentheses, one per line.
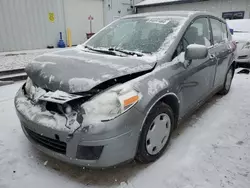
(169, 13)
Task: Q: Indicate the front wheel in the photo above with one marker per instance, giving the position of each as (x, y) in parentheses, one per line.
(228, 82)
(156, 133)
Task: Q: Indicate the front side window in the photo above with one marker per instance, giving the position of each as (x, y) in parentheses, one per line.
(197, 33)
(145, 34)
(217, 31)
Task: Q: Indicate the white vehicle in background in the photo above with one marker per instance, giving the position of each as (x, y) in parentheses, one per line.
(241, 35)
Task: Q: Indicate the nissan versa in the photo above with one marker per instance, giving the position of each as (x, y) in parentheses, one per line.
(119, 96)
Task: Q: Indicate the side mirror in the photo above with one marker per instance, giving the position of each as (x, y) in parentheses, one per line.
(196, 51)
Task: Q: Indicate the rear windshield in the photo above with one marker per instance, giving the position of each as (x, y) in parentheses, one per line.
(144, 35)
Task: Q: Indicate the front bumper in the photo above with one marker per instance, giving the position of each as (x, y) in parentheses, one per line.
(116, 139)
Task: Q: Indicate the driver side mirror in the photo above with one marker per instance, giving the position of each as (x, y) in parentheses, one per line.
(196, 51)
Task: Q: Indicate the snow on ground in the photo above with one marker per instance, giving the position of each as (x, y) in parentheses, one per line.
(19, 59)
(210, 150)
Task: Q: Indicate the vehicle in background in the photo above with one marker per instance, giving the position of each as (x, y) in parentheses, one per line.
(120, 95)
(241, 35)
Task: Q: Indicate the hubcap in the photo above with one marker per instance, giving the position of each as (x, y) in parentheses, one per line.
(158, 134)
(229, 79)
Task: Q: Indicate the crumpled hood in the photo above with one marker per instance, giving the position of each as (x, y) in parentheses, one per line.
(74, 70)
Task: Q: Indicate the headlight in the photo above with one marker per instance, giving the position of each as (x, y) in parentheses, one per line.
(29, 87)
(112, 103)
(32, 91)
(246, 46)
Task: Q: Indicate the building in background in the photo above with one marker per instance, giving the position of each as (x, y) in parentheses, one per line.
(34, 24)
(77, 13)
(114, 9)
(228, 9)
(30, 24)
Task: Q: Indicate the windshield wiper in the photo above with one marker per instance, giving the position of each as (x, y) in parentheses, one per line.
(126, 52)
(105, 51)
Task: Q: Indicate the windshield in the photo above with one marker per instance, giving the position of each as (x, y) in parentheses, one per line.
(145, 35)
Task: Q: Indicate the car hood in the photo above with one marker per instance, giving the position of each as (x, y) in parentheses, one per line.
(74, 70)
(241, 37)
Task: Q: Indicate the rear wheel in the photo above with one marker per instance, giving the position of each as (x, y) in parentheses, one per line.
(228, 82)
(156, 133)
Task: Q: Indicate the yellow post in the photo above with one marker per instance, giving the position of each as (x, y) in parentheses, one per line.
(69, 38)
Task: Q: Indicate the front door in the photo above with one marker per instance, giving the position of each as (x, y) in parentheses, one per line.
(196, 79)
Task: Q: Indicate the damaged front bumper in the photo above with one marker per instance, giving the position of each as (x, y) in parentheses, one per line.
(95, 144)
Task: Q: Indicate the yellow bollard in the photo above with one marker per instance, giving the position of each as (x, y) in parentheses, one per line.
(69, 38)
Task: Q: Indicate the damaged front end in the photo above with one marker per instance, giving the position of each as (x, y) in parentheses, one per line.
(84, 129)
(57, 110)
(85, 112)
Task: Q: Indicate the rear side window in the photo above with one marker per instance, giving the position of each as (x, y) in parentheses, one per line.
(218, 34)
(224, 32)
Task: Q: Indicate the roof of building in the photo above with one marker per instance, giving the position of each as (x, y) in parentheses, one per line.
(164, 13)
(157, 2)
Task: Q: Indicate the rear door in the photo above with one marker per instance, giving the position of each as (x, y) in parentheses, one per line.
(221, 50)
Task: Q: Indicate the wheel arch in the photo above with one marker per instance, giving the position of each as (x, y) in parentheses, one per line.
(170, 99)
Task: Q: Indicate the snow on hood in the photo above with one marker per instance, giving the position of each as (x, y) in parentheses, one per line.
(241, 29)
(241, 37)
(242, 25)
(74, 71)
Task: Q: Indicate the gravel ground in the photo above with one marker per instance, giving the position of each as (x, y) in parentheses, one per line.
(19, 59)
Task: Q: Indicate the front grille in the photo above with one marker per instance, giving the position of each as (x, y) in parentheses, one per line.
(49, 143)
(53, 107)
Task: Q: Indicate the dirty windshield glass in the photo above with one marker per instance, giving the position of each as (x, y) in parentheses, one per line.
(144, 35)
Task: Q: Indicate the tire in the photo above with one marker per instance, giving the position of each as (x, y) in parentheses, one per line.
(228, 81)
(147, 152)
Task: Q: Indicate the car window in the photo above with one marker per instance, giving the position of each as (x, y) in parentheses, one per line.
(113, 37)
(197, 33)
(146, 34)
(224, 32)
(217, 31)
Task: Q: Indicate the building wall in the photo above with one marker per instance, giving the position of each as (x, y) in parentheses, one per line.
(114, 9)
(76, 18)
(214, 6)
(25, 24)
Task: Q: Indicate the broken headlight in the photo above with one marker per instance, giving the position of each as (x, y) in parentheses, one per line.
(32, 91)
(29, 87)
(111, 103)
